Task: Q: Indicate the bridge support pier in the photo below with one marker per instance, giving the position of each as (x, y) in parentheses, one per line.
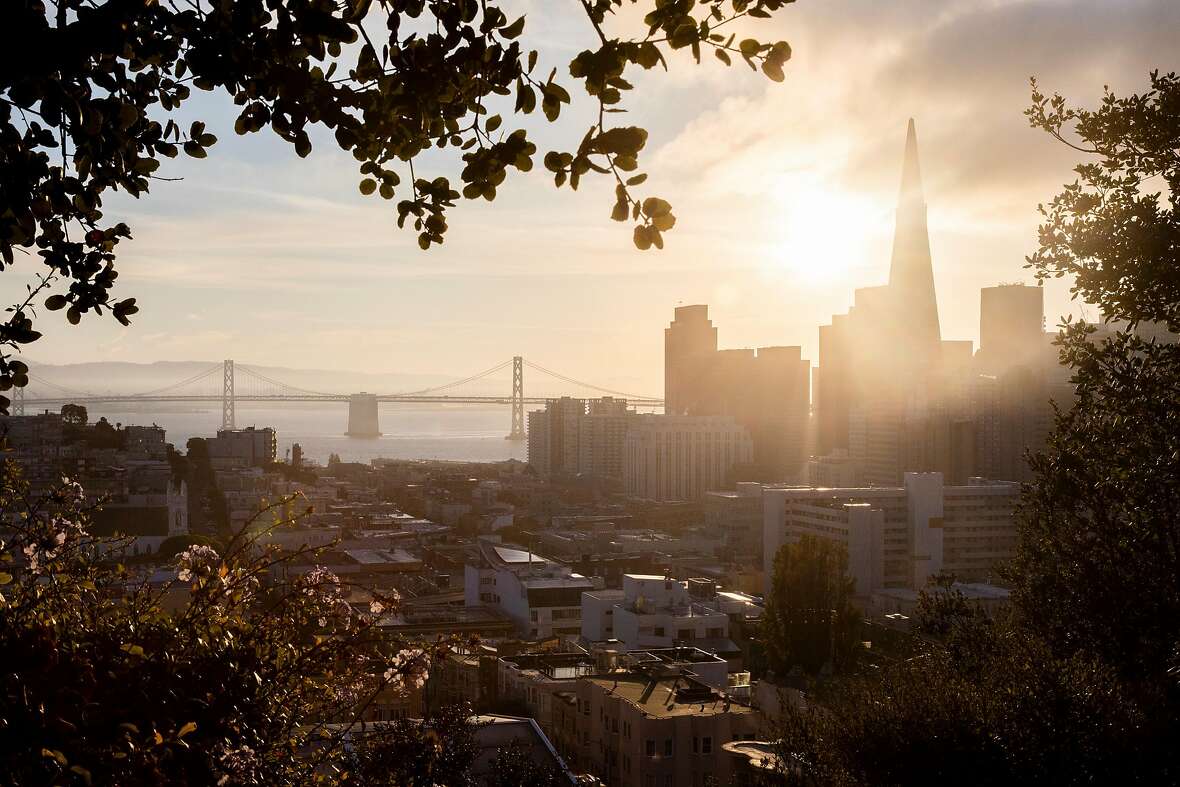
(517, 431)
(362, 415)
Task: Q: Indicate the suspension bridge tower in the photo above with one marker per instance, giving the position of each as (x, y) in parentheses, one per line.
(517, 432)
(227, 395)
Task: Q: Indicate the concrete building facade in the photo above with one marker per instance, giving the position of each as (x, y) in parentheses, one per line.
(898, 537)
(671, 458)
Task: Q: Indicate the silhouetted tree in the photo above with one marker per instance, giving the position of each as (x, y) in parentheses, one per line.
(92, 93)
(810, 620)
(74, 415)
(514, 766)
(1099, 562)
(438, 750)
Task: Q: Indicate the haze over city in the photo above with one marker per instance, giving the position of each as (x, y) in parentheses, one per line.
(784, 195)
(611, 393)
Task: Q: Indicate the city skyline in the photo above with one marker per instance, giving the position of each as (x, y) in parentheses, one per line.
(778, 172)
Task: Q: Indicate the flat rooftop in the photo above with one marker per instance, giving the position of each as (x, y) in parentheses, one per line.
(667, 697)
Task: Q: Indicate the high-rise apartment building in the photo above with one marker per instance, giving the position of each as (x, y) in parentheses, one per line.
(578, 437)
(690, 343)
(670, 457)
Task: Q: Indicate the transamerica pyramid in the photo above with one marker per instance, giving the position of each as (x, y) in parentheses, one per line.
(911, 273)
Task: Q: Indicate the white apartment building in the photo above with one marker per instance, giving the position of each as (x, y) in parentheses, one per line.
(543, 598)
(652, 611)
(674, 457)
(898, 537)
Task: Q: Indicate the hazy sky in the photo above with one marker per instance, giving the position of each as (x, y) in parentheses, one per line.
(784, 194)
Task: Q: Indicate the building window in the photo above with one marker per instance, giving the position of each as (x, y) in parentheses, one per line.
(696, 745)
(707, 745)
(650, 748)
(667, 747)
(659, 631)
(684, 634)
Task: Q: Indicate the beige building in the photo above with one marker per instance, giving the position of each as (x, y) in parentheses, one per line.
(655, 726)
(670, 458)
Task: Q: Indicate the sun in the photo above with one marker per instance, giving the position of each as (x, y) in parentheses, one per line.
(822, 233)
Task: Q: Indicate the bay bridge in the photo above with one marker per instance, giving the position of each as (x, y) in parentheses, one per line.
(228, 383)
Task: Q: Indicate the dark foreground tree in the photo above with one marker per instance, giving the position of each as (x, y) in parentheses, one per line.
(222, 676)
(1080, 683)
(92, 93)
(1099, 563)
(810, 621)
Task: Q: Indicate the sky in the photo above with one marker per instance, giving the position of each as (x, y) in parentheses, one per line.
(784, 194)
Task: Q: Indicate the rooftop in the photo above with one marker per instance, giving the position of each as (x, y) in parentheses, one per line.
(669, 696)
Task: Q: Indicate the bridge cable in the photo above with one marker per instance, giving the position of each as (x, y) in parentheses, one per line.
(470, 379)
(559, 376)
(199, 375)
(286, 386)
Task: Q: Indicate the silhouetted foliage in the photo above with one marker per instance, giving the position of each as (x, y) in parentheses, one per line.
(74, 415)
(514, 766)
(1099, 564)
(91, 98)
(437, 750)
(1077, 684)
(987, 705)
(810, 620)
(221, 676)
(173, 545)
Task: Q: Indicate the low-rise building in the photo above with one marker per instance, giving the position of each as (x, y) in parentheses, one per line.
(543, 597)
(652, 611)
(658, 726)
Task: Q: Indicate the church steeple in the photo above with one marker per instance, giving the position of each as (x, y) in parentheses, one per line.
(911, 272)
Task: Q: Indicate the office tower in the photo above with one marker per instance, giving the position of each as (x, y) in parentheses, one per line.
(690, 343)
(781, 408)
(911, 272)
(767, 390)
(670, 458)
(1011, 326)
(886, 353)
(1016, 377)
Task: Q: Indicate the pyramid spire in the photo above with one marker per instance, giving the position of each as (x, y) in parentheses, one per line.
(911, 173)
(911, 272)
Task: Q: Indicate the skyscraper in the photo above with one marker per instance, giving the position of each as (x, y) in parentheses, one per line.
(911, 272)
(1011, 326)
(690, 343)
(886, 352)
